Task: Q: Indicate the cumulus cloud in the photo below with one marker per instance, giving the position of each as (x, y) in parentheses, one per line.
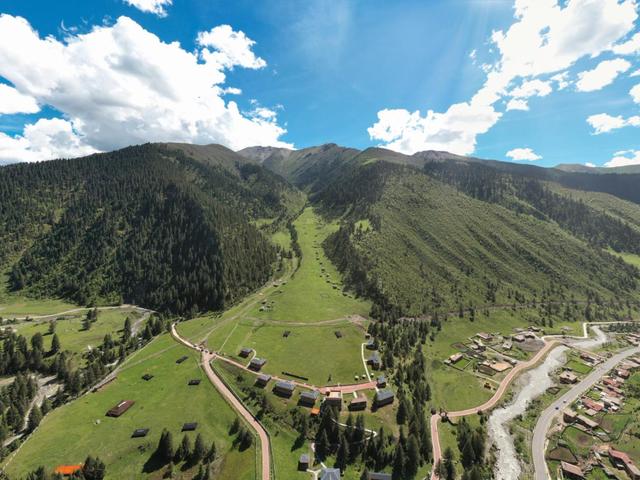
(624, 159)
(562, 80)
(547, 37)
(635, 93)
(523, 154)
(604, 74)
(629, 47)
(157, 7)
(47, 138)
(635, 74)
(590, 165)
(603, 122)
(230, 48)
(532, 88)
(12, 101)
(120, 85)
(517, 104)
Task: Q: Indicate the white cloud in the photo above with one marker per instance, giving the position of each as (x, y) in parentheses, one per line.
(12, 101)
(629, 47)
(517, 104)
(47, 138)
(454, 130)
(604, 74)
(603, 122)
(532, 88)
(624, 159)
(635, 74)
(520, 154)
(120, 85)
(547, 37)
(590, 165)
(230, 48)
(635, 93)
(562, 80)
(157, 7)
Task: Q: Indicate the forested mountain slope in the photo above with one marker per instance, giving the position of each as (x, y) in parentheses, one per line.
(417, 245)
(165, 226)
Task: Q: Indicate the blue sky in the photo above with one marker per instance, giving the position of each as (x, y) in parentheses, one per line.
(451, 75)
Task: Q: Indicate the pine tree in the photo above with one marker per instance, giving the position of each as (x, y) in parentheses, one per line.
(399, 463)
(211, 454)
(199, 449)
(34, 418)
(449, 467)
(55, 344)
(165, 446)
(126, 331)
(342, 457)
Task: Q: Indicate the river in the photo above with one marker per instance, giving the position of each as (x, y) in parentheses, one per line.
(530, 386)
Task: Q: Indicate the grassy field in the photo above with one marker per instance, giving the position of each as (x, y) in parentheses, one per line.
(315, 291)
(309, 351)
(456, 390)
(72, 336)
(70, 433)
(578, 367)
(19, 306)
(285, 452)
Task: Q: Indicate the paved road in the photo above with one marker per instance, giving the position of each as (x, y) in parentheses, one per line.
(486, 406)
(548, 415)
(207, 357)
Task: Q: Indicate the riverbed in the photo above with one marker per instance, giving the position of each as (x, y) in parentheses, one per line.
(530, 386)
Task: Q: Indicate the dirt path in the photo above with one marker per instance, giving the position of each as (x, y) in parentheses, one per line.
(489, 404)
(207, 358)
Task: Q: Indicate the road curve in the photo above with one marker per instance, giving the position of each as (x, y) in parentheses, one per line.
(486, 406)
(207, 357)
(546, 418)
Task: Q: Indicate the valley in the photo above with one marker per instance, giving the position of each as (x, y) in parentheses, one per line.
(442, 306)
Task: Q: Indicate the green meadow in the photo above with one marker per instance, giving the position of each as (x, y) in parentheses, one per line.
(73, 337)
(314, 293)
(20, 306)
(70, 433)
(309, 351)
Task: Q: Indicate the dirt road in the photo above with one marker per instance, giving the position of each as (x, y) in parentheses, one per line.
(207, 358)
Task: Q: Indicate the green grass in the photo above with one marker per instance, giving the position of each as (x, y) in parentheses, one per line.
(309, 351)
(70, 433)
(578, 367)
(310, 295)
(20, 306)
(579, 442)
(629, 258)
(73, 337)
(282, 436)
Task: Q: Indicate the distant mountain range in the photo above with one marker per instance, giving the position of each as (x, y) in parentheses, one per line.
(180, 227)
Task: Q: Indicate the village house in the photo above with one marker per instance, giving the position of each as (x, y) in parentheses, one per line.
(569, 416)
(588, 358)
(330, 474)
(568, 377)
(303, 462)
(592, 404)
(379, 476)
(611, 382)
(120, 408)
(358, 404)
(245, 352)
(484, 336)
(571, 471)
(622, 373)
(622, 461)
(383, 397)
(518, 338)
(499, 366)
(372, 344)
(381, 382)
(455, 358)
(586, 422)
(308, 398)
(334, 399)
(262, 380)
(283, 388)
(374, 361)
(256, 364)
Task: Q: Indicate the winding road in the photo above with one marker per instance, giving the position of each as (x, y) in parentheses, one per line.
(548, 415)
(206, 359)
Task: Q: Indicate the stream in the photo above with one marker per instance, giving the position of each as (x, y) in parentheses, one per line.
(530, 386)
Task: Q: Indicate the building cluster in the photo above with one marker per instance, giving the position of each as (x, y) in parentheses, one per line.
(606, 397)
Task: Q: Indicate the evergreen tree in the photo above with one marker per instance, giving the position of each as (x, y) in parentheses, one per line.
(55, 344)
(399, 463)
(199, 449)
(34, 418)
